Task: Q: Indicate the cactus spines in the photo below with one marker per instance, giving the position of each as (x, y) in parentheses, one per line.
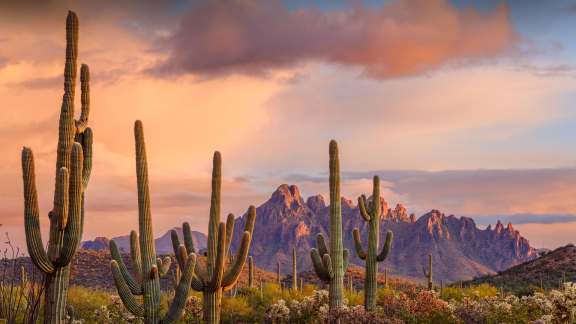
(294, 271)
(215, 278)
(73, 166)
(331, 265)
(148, 268)
(371, 212)
(250, 272)
(428, 273)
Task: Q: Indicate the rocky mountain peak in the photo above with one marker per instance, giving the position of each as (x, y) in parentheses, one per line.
(316, 203)
(288, 196)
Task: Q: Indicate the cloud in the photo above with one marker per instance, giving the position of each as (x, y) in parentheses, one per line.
(397, 39)
(493, 193)
(550, 70)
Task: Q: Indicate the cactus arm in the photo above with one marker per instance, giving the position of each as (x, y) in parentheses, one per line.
(163, 265)
(229, 231)
(386, 248)
(73, 230)
(327, 261)
(319, 266)
(135, 255)
(31, 215)
(181, 295)
(135, 287)
(362, 206)
(175, 242)
(218, 270)
(87, 139)
(345, 257)
(249, 227)
(235, 268)
(188, 242)
(358, 244)
(82, 123)
(62, 198)
(124, 291)
(321, 244)
(197, 283)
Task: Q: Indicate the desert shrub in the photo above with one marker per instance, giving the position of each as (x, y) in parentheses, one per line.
(482, 290)
(21, 290)
(354, 298)
(416, 306)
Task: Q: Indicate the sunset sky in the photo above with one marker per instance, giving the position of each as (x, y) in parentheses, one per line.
(463, 106)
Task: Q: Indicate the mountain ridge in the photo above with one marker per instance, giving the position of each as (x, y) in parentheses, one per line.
(460, 249)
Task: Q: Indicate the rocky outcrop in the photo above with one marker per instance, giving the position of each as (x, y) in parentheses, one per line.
(460, 250)
(99, 243)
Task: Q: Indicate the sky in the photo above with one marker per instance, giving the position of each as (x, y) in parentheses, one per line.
(463, 106)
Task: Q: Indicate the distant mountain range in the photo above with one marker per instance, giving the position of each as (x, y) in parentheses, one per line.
(460, 250)
(163, 243)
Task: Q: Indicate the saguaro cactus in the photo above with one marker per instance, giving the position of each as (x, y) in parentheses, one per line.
(73, 166)
(250, 272)
(371, 213)
(215, 279)
(330, 266)
(294, 271)
(148, 268)
(428, 274)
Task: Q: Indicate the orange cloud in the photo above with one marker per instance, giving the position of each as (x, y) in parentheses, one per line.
(400, 38)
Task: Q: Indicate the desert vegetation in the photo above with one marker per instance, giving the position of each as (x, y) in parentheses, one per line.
(206, 286)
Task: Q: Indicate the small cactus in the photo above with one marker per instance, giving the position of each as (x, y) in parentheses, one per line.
(216, 277)
(294, 271)
(73, 166)
(428, 274)
(330, 266)
(278, 273)
(148, 268)
(250, 272)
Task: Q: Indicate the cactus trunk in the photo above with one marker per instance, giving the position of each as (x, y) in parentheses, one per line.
(336, 247)
(212, 306)
(55, 296)
(330, 266)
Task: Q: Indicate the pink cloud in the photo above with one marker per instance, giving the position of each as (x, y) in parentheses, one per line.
(401, 38)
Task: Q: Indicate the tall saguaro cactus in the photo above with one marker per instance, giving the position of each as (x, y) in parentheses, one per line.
(215, 279)
(330, 266)
(428, 274)
(148, 268)
(294, 271)
(73, 166)
(371, 213)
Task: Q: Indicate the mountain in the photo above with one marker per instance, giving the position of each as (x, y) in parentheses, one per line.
(547, 271)
(460, 250)
(163, 243)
